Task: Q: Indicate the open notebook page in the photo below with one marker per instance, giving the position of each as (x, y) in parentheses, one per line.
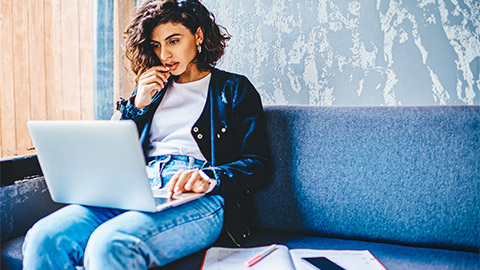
(348, 259)
(234, 258)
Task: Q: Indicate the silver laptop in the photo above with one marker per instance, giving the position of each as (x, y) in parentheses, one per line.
(98, 163)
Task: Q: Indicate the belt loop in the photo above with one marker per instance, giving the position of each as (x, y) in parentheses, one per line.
(191, 162)
(163, 163)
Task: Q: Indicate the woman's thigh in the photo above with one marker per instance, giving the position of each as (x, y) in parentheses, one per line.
(76, 221)
(151, 239)
(61, 237)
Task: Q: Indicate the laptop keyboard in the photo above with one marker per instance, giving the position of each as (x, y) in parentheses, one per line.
(160, 192)
(159, 201)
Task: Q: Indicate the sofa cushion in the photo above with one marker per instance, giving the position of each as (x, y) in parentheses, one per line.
(11, 254)
(22, 204)
(390, 255)
(408, 175)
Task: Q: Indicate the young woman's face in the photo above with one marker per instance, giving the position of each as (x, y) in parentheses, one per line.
(176, 47)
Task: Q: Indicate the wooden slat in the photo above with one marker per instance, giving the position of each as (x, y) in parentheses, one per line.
(21, 73)
(7, 99)
(36, 36)
(53, 60)
(46, 66)
(86, 57)
(70, 60)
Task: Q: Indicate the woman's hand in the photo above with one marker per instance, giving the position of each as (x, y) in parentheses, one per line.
(189, 180)
(149, 83)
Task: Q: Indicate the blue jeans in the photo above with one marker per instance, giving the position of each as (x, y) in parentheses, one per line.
(104, 238)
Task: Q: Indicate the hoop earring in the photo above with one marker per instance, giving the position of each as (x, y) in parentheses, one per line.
(199, 48)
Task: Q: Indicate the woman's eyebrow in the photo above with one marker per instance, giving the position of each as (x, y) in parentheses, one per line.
(172, 35)
(167, 38)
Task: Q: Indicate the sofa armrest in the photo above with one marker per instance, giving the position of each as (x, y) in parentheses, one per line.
(22, 204)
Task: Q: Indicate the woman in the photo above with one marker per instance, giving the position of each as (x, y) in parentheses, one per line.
(201, 130)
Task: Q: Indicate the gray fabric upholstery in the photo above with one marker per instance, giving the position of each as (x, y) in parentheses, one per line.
(406, 175)
(22, 204)
(11, 254)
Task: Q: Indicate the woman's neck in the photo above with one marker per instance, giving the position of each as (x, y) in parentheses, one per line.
(192, 74)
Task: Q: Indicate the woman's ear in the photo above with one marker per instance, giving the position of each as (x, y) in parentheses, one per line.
(199, 36)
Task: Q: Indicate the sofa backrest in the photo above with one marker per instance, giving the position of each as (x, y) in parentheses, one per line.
(407, 175)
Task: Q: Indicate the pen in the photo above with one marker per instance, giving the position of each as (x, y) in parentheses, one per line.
(260, 256)
(203, 174)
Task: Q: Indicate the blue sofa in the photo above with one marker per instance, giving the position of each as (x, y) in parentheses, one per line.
(402, 182)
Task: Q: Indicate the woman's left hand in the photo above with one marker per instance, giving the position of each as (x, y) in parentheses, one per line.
(188, 181)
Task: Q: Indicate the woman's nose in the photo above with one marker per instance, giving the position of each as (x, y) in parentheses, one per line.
(165, 54)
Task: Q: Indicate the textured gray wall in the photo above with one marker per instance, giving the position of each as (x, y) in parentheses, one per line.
(364, 52)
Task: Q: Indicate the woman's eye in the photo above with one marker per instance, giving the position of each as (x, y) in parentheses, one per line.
(155, 45)
(174, 41)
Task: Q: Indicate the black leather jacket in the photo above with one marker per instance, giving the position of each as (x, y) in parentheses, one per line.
(230, 133)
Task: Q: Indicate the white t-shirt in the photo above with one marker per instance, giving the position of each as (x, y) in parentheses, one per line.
(180, 108)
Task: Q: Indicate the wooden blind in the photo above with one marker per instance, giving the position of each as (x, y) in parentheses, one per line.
(46, 66)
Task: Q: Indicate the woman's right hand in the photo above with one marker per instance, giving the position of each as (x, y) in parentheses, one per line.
(149, 83)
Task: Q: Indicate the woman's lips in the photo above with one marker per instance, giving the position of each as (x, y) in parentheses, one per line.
(172, 66)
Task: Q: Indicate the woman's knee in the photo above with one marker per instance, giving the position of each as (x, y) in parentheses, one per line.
(43, 233)
(102, 241)
(47, 246)
(110, 247)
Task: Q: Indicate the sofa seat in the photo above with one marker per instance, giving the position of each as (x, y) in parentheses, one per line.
(392, 256)
(11, 254)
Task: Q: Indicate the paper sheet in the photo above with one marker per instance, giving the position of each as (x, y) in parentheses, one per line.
(284, 259)
(234, 258)
(348, 259)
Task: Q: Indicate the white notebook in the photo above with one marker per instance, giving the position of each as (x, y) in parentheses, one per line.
(282, 258)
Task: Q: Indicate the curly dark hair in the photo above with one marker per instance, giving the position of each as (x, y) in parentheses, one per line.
(190, 13)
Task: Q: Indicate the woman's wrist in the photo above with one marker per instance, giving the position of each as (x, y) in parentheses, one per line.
(137, 104)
